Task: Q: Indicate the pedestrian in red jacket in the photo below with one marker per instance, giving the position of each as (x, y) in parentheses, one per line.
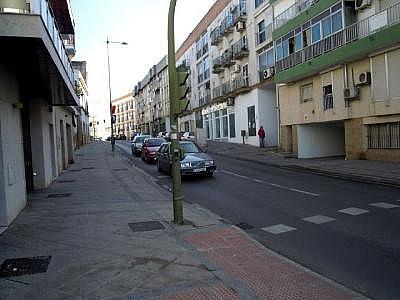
(261, 136)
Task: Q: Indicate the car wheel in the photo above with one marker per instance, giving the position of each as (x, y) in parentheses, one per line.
(158, 166)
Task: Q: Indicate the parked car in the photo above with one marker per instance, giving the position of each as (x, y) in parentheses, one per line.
(195, 161)
(137, 144)
(188, 136)
(150, 147)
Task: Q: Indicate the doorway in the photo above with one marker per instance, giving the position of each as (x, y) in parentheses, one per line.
(53, 152)
(27, 145)
(70, 146)
(62, 137)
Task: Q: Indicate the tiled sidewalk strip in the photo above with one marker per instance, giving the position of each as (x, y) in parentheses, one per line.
(215, 292)
(266, 274)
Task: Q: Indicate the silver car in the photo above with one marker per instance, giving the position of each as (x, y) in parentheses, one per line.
(195, 161)
(137, 144)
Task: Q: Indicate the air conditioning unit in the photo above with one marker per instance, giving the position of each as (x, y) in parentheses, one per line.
(361, 4)
(268, 72)
(351, 93)
(230, 101)
(236, 68)
(364, 78)
(240, 26)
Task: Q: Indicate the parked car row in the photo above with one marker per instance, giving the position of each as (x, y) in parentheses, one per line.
(194, 162)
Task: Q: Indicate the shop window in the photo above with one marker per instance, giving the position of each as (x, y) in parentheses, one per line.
(384, 136)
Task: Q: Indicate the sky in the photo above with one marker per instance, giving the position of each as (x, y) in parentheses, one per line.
(140, 23)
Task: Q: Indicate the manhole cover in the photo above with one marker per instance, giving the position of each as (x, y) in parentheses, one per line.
(24, 266)
(88, 168)
(119, 170)
(244, 226)
(66, 181)
(60, 195)
(146, 226)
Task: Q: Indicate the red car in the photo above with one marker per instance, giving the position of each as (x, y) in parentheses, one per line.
(150, 147)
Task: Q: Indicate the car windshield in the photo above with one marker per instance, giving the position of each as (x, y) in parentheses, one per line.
(155, 142)
(140, 139)
(190, 148)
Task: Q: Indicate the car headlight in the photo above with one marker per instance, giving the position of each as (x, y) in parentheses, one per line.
(209, 162)
(186, 165)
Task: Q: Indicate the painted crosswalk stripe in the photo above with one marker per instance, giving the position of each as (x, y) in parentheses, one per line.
(319, 219)
(278, 229)
(304, 192)
(353, 211)
(384, 205)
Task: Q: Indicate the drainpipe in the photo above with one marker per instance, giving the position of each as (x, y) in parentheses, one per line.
(278, 115)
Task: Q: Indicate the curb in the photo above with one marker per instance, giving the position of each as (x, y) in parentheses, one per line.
(343, 176)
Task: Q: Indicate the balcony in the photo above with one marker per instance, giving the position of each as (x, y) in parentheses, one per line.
(205, 98)
(217, 65)
(232, 88)
(240, 49)
(350, 41)
(227, 25)
(69, 43)
(216, 36)
(239, 12)
(227, 58)
(35, 21)
(293, 11)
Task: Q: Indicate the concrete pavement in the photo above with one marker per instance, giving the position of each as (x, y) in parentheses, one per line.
(380, 172)
(104, 228)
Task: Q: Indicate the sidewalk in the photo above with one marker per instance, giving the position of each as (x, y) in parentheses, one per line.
(103, 231)
(380, 172)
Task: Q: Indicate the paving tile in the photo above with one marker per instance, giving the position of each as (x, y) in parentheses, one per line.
(217, 292)
(319, 219)
(354, 211)
(278, 229)
(384, 205)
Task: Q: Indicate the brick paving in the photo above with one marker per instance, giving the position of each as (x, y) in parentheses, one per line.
(217, 292)
(265, 273)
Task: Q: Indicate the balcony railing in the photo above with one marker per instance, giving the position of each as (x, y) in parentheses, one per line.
(227, 25)
(216, 36)
(227, 58)
(239, 12)
(240, 49)
(356, 31)
(233, 87)
(293, 11)
(217, 65)
(206, 98)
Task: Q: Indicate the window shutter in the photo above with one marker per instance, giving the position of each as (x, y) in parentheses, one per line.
(379, 78)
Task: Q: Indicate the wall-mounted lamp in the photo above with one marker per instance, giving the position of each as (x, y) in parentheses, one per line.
(18, 105)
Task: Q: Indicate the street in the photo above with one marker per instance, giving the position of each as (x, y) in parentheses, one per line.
(343, 230)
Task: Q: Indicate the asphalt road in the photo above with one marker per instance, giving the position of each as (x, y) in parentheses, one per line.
(359, 251)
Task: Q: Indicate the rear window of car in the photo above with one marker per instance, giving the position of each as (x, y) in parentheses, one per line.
(155, 142)
(140, 139)
(190, 147)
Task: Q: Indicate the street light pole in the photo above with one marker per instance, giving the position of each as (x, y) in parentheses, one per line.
(109, 88)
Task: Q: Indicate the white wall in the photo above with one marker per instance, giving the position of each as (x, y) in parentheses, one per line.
(320, 140)
(268, 115)
(12, 178)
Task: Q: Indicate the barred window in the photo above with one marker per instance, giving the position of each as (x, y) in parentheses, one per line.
(384, 136)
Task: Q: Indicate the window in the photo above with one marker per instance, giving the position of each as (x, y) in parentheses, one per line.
(328, 97)
(326, 26)
(251, 119)
(384, 136)
(261, 32)
(337, 21)
(316, 33)
(232, 131)
(257, 3)
(306, 92)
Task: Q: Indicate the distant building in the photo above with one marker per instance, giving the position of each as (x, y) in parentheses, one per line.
(125, 116)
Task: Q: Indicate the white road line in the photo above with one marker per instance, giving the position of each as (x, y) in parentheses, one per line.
(270, 183)
(354, 211)
(304, 192)
(278, 229)
(384, 205)
(319, 219)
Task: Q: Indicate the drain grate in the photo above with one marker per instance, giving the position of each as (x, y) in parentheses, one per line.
(244, 226)
(59, 195)
(88, 168)
(24, 266)
(66, 181)
(146, 226)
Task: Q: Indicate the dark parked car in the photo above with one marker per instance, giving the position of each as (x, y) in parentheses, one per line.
(150, 148)
(137, 144)
(195, 161)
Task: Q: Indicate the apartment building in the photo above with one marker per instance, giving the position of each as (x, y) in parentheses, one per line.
(152, 100)
(337, 69)
(125, 113)
(82, 112)
(229, 98)
(36, 98)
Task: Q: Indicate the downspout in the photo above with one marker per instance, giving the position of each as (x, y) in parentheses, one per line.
(278, 115)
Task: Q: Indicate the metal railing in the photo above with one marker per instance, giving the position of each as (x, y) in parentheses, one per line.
(231, 87)
(227, 58)
(216, 36)
(328, 101)
(351, 33)
(239, 12)
(240, 48)
(293, 11)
